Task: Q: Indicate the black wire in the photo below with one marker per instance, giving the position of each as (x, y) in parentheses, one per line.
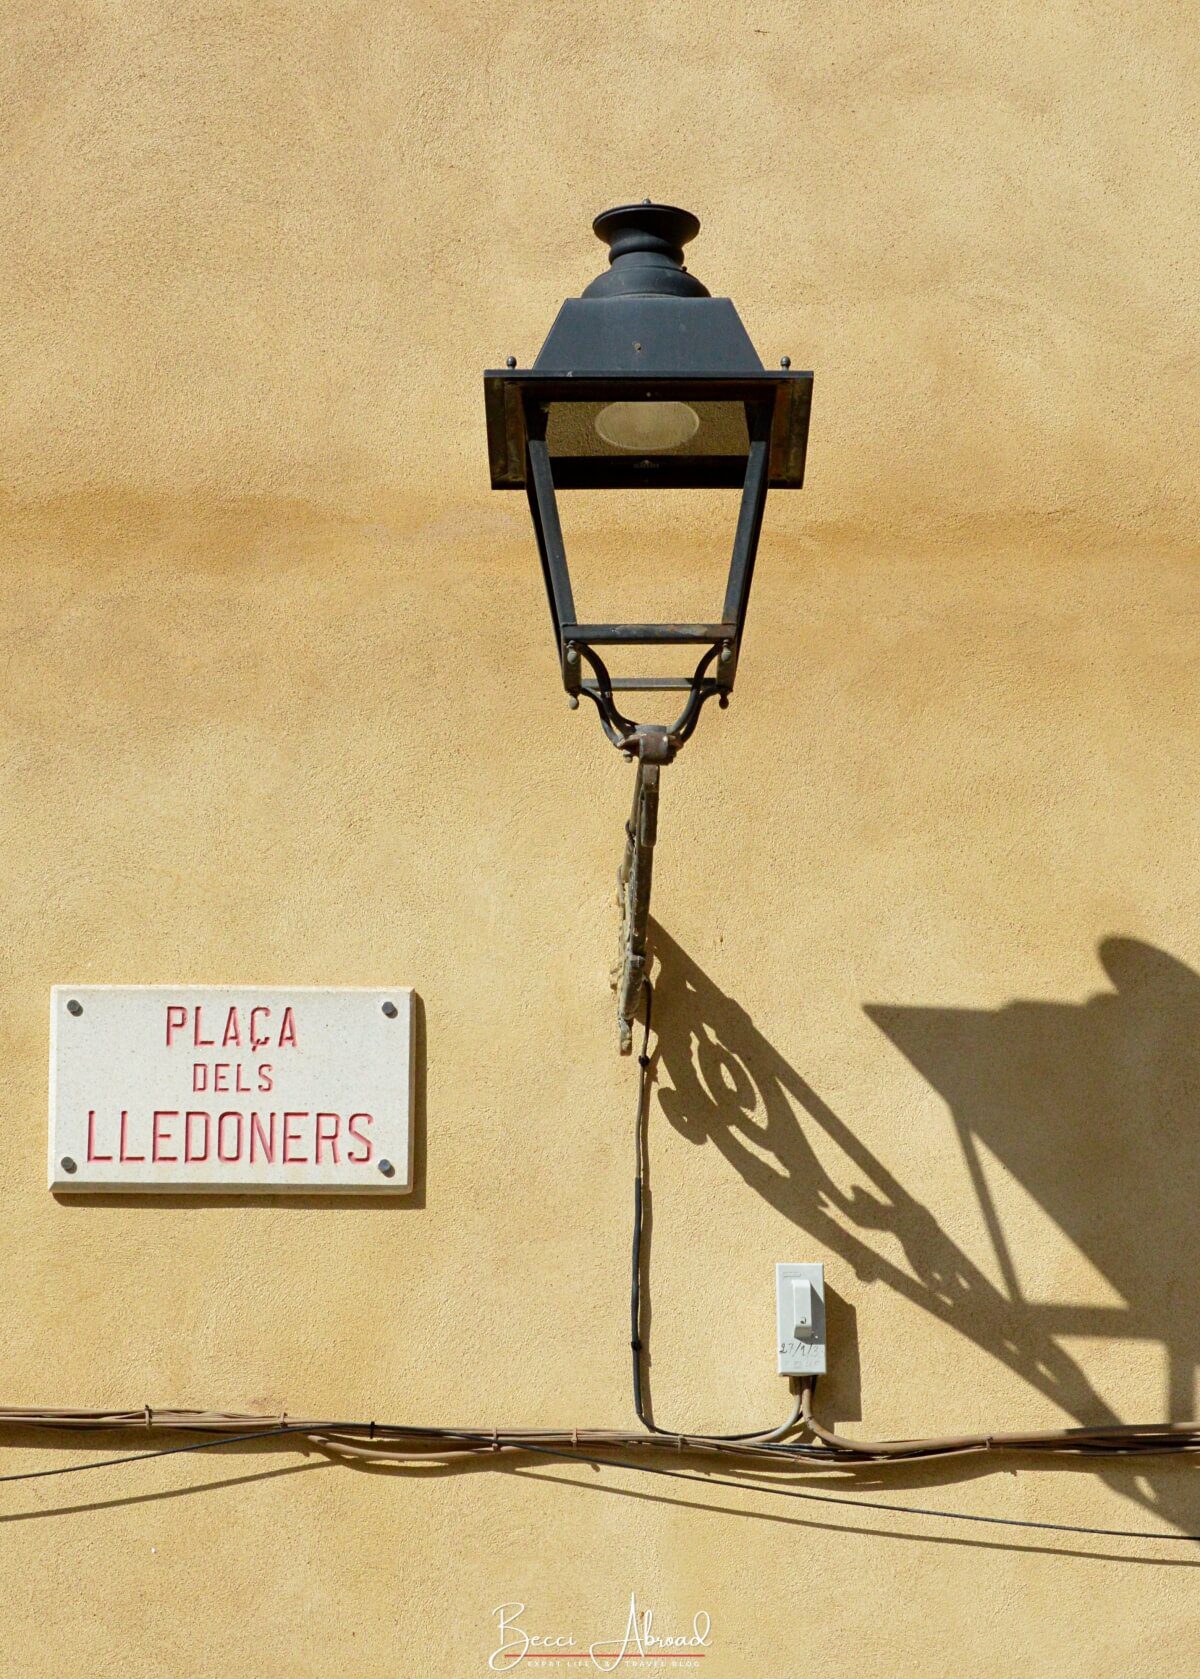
(850, 1503)
(140, 1457)
(635, 1291)
(636, 1343)
(573, 1456)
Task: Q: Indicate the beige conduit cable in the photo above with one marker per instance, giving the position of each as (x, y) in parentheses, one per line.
(235, 1428)
(397, 1444)
(1116, 1439)
(369, 1441)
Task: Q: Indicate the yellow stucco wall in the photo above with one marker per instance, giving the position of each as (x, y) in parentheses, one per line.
(280, 706)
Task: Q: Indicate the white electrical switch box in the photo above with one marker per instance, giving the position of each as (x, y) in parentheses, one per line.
(800, 1319)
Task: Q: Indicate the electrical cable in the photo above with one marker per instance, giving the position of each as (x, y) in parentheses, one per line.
(870, 1503)
(141, 1457)
(636, 1342)
(475, 1440)
(1114, 1439)
(392, 1442)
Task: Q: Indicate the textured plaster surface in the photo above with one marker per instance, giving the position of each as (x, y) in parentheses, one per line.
(280, 707)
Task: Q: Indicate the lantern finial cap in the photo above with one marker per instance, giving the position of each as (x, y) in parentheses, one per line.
(645, 252)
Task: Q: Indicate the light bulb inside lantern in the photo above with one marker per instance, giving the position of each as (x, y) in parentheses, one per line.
(647, 428)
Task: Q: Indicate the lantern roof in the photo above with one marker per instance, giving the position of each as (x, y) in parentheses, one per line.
(646, 329)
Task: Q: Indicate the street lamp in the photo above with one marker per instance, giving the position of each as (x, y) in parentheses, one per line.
(646, 381)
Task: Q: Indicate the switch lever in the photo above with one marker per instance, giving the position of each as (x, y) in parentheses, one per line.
(802, 1308)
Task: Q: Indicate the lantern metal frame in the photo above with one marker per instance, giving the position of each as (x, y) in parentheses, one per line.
(647, 331)
(777, 409)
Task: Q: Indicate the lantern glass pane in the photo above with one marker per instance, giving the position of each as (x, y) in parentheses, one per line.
(647, 426)
(596, 430)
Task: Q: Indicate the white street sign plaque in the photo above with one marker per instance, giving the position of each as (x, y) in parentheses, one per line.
(159, 1087)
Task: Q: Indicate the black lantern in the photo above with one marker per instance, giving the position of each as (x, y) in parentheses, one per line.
(646, 381)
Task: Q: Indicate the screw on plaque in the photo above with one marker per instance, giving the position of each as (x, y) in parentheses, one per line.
(74, 1007)
(68, 1165)
(386, 1167)
(390, 1010)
